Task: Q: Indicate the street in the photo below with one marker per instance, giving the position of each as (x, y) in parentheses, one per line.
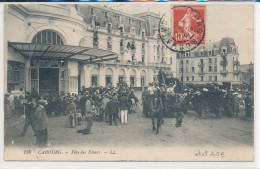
(208, 131)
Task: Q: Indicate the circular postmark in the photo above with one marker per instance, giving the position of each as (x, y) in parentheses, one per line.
(188, 28)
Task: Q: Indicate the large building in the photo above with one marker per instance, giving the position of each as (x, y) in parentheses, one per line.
(60, 48)
(213, 63)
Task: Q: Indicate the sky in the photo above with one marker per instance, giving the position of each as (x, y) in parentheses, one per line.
(222, 20)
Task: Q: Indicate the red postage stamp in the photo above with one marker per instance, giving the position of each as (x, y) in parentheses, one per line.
(189, 25)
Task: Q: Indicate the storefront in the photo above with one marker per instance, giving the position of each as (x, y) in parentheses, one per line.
(53, 68)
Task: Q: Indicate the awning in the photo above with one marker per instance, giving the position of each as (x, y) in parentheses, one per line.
(63, 52)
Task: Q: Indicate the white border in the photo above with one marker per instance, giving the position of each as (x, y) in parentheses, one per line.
(141, 165)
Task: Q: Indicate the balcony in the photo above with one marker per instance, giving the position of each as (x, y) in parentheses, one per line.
(201, 64)
(201, 72)
(223, 72)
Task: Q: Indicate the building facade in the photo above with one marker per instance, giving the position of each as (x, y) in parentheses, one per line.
(213, 63)
(60, 48)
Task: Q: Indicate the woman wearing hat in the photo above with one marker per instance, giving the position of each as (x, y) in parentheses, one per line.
(71, 111)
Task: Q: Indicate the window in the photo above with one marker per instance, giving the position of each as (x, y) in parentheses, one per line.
(187, 54)
(171, 60)
(15, 76)
(122, 45)
(142, 34)
(201, 78)
(187, 78)
(130, 21)
(142, 80)
(47, 37)
(119, 18)
(108, 80)
(192, 78)
(216, 60)
(201, 53)
(109, 28)
(215, 68)
(181, 70)
(210, 68)
(94, 80)
(121, 28)
(213, 52)
(132, 80)
(216, 78)
(187, 69)
(181, 62)
(210, 60)
(109, 43)
(142, 58)
(187, 61)
(192, 69)
(210, 52)
(92, 11)
(143, 48)
(210, 78)
(162, 60)
(133, 57)
(105, 14)
(95, 39)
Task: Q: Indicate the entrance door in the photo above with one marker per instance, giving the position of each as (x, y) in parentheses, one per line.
(48, 81)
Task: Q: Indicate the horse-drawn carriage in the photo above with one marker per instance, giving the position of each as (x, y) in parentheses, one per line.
(171, 103)
(209, 102)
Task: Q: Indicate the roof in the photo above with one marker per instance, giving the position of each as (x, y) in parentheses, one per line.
(245, 67)
(62, 52)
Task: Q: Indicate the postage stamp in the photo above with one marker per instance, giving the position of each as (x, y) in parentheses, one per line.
(188, 28)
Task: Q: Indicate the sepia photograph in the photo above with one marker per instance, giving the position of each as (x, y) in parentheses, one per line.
(128, 82)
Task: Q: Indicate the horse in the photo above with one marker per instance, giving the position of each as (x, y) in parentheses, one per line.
(156, 112)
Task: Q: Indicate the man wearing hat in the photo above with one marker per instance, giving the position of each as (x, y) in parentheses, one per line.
(89, 114)
(29, 113)
(123, 105)
(71, 111)
(40, 121)
(112, 108)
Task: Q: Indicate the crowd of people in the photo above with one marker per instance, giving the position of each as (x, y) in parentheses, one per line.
(113, 105)
(110, 104)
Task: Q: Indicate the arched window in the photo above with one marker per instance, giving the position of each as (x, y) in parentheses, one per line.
(47, 37)
(109, 76)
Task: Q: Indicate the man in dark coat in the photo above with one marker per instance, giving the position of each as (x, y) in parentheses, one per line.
(112, 108)
(29, 112)
(248, 105)
(40, 122)
(123, 105)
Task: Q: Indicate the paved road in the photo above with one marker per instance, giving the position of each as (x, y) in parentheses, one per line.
(194, 132)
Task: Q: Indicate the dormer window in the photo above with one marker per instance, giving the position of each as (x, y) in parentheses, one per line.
(92, 11)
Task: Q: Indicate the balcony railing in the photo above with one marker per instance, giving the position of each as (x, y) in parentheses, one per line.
(223, 72)
(201, 64)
